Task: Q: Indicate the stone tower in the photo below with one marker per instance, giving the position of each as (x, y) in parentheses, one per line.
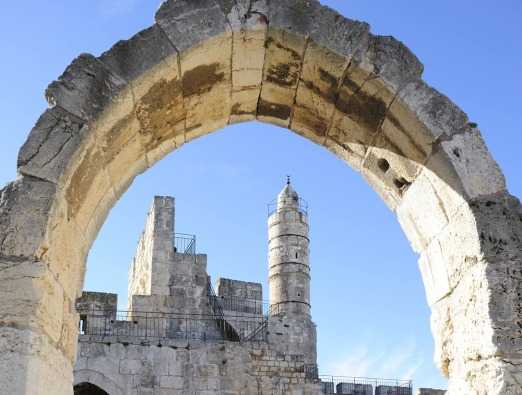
(289, 275)
(288, 256)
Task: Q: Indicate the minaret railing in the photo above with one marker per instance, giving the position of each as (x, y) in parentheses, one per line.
(302, 207)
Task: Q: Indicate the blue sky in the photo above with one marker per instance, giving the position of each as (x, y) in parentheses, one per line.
(367, 294)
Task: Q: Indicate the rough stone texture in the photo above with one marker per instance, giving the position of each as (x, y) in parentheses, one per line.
(226, 368)
(24, 214)
(199, 69)
(155, 250)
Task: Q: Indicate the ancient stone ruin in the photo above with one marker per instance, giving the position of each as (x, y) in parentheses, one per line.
(293, 63)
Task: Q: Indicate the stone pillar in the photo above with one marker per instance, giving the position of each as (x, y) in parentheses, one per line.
(472, 272)
(38, 324)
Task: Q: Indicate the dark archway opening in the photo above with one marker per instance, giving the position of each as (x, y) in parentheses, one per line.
(88, 389)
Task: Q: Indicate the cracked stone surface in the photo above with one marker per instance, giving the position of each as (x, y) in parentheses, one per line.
(208, 63)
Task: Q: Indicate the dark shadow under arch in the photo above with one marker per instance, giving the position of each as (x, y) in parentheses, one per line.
(88, 389)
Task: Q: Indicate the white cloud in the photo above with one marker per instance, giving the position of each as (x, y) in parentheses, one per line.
(401, 362)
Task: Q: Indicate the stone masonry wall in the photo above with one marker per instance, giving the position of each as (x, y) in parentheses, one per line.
(154, 251)
(242, 303)
(190, 368)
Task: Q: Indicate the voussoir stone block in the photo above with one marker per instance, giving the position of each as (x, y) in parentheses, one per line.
(249, 23)
(438, 113)
(131, 58)
(471, 164)
(86, 88)
(51, 144)
(282, 69)
(191, 22)
(392, 61)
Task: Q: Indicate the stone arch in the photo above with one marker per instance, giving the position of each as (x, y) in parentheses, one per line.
(87, 376)
(296, 64)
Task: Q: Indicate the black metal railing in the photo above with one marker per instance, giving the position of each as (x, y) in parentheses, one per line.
(154, 325)
(185, 243)
(311, 372)
(364, 386)
(214, 301)
(239, 305)
(302, 206)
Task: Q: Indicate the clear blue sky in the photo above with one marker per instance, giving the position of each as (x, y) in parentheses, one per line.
(367, 294)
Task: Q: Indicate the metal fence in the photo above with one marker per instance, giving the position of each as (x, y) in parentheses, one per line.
(154, 325)
(302, 207)
(239, 305)
(185, 243)
(364, 386)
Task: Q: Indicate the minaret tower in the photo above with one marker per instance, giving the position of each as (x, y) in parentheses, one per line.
(288, 256)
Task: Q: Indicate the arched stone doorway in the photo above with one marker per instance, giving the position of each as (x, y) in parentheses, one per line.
(88, 389)
(92, 382)
(206, 64)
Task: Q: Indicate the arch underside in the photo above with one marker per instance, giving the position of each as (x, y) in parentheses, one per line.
(296, 64)
(93, 382)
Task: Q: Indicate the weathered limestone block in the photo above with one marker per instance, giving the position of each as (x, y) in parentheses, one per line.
(206, 82)
(440, 115)
(478, 297)
(460, 247)
(89, 183)
(427, 194)
(316, 95)
(85, 89)
(29, 287)
(203, 37)
(189, 23)
(132, 58)
(471, 164)
(450, 185)
(148, 62)
(31, 364)
(25, 206)
(283, 63)
(487, 228)
(51, 144)
(249, 29)
(392, 61)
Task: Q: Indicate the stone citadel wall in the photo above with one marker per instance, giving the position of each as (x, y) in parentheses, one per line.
(189, 368)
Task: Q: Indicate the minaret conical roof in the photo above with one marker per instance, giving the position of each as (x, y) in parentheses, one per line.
(288, 197)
